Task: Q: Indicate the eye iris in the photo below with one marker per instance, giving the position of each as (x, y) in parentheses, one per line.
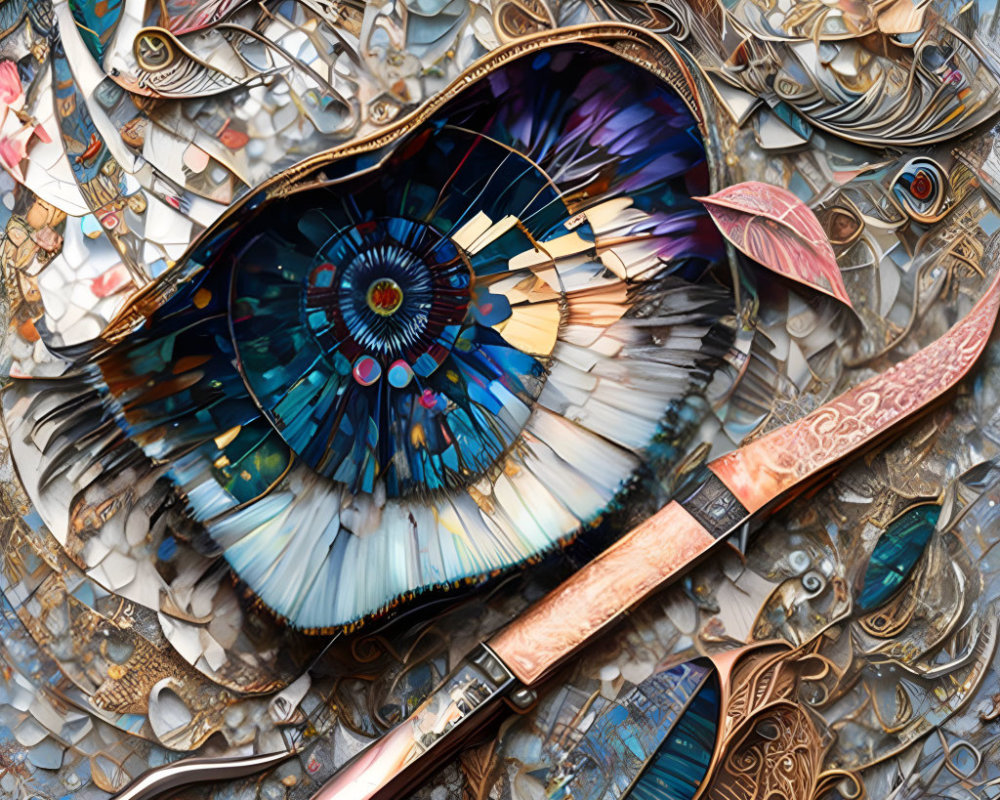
(377, 356)
(921, 186)
(921, 189)
(385, 297)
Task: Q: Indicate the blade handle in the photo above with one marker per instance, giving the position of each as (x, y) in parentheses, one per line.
(468, 701)
(649, 556)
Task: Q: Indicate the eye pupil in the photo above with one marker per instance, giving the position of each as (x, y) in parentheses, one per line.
(385, 297)
(921, 186)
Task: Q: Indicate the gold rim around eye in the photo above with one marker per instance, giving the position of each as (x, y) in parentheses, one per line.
(157, 41)
(630, 42)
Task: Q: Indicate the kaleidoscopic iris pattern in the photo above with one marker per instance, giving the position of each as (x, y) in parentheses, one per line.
(433, 359)
(411, 363)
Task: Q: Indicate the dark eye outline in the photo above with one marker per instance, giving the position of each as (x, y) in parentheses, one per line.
(332, 168)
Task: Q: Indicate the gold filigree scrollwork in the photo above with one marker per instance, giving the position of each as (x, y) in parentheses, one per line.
(516, 18)
(770, 744)
(774, 754)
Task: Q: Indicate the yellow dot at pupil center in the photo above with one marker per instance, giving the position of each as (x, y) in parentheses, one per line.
(384, 297)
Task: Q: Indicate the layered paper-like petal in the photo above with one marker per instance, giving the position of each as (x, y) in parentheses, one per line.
(779, 231)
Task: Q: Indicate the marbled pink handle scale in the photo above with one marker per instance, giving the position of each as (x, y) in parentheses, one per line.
(615, 581)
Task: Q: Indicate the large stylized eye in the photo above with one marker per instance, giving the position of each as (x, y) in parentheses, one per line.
(436, 355)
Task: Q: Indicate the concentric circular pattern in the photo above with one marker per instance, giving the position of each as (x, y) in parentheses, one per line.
(381, 354)
(391, 287)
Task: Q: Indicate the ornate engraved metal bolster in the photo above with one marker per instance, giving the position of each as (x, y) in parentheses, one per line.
(711, 503)
(398, 759)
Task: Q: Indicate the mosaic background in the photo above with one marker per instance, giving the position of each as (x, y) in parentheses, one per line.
(133, 630)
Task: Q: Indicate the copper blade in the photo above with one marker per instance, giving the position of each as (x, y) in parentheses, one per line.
(739, 484)
(775, 464)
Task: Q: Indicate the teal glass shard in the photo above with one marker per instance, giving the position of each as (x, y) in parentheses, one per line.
(680, 765)
(97, 23)
(896, 553)
(611, 751)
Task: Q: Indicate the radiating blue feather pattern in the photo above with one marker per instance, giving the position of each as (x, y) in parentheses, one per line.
(423, 364)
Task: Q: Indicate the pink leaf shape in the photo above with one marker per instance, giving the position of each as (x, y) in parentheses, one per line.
(10, 82)
(12, 152)
(779, 231)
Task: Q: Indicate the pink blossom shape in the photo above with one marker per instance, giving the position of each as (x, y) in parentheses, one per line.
(10, 83)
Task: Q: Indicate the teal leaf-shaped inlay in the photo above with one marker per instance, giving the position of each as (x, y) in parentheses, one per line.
(681, 763)
(896, 553)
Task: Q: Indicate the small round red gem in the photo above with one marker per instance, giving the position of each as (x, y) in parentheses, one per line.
(385, 297)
